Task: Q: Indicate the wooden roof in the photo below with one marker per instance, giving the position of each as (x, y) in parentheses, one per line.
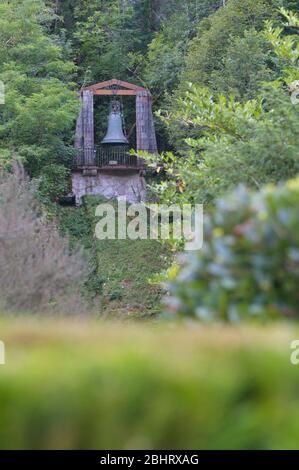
(106, 88)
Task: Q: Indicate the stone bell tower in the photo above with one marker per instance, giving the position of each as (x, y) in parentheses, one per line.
(109, 169)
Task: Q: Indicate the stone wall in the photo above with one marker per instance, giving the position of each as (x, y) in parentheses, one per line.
(109, 185)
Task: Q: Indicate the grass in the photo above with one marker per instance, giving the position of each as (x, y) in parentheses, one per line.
(121, 269)
(88, 384)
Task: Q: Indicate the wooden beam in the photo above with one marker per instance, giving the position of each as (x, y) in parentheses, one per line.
(114, 82)
(100, 85)
(115, 92)
(130, 86)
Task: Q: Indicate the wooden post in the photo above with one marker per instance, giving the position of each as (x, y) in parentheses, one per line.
(88, 127)
(145, 127)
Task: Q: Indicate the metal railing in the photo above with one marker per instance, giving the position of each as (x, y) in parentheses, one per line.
(114, 156)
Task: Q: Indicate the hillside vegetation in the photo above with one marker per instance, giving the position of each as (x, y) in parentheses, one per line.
(122, 272)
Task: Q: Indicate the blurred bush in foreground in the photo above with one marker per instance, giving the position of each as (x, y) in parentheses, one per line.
(37, 270)
(74, 385)
(249, 265)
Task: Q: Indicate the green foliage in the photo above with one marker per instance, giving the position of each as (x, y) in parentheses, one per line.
(37, 119)
(106, 39)
(79, 385)
(249, 265)
(252, 142)
(291, 5)
(207, 51)
(228, 141)
(53, 182)
(286, 47)
(167, 51)
(228, 55)
(246, 64)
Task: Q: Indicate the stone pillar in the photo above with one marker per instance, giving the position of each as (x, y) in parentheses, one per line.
(145, 127)
(88, 127)
(84, 138)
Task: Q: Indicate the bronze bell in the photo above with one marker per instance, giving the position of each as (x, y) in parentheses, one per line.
(115, 133)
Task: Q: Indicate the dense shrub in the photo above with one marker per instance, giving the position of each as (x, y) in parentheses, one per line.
(249, 265)
(73, 385)
(54, 183)
(37, 271)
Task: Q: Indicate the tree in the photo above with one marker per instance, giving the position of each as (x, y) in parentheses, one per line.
(228, 141)
(106, 40)
(208, 49)
(37, 119)
(246, 65)
(167, 51)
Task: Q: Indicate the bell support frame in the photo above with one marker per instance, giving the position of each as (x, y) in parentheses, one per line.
(145, 129)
